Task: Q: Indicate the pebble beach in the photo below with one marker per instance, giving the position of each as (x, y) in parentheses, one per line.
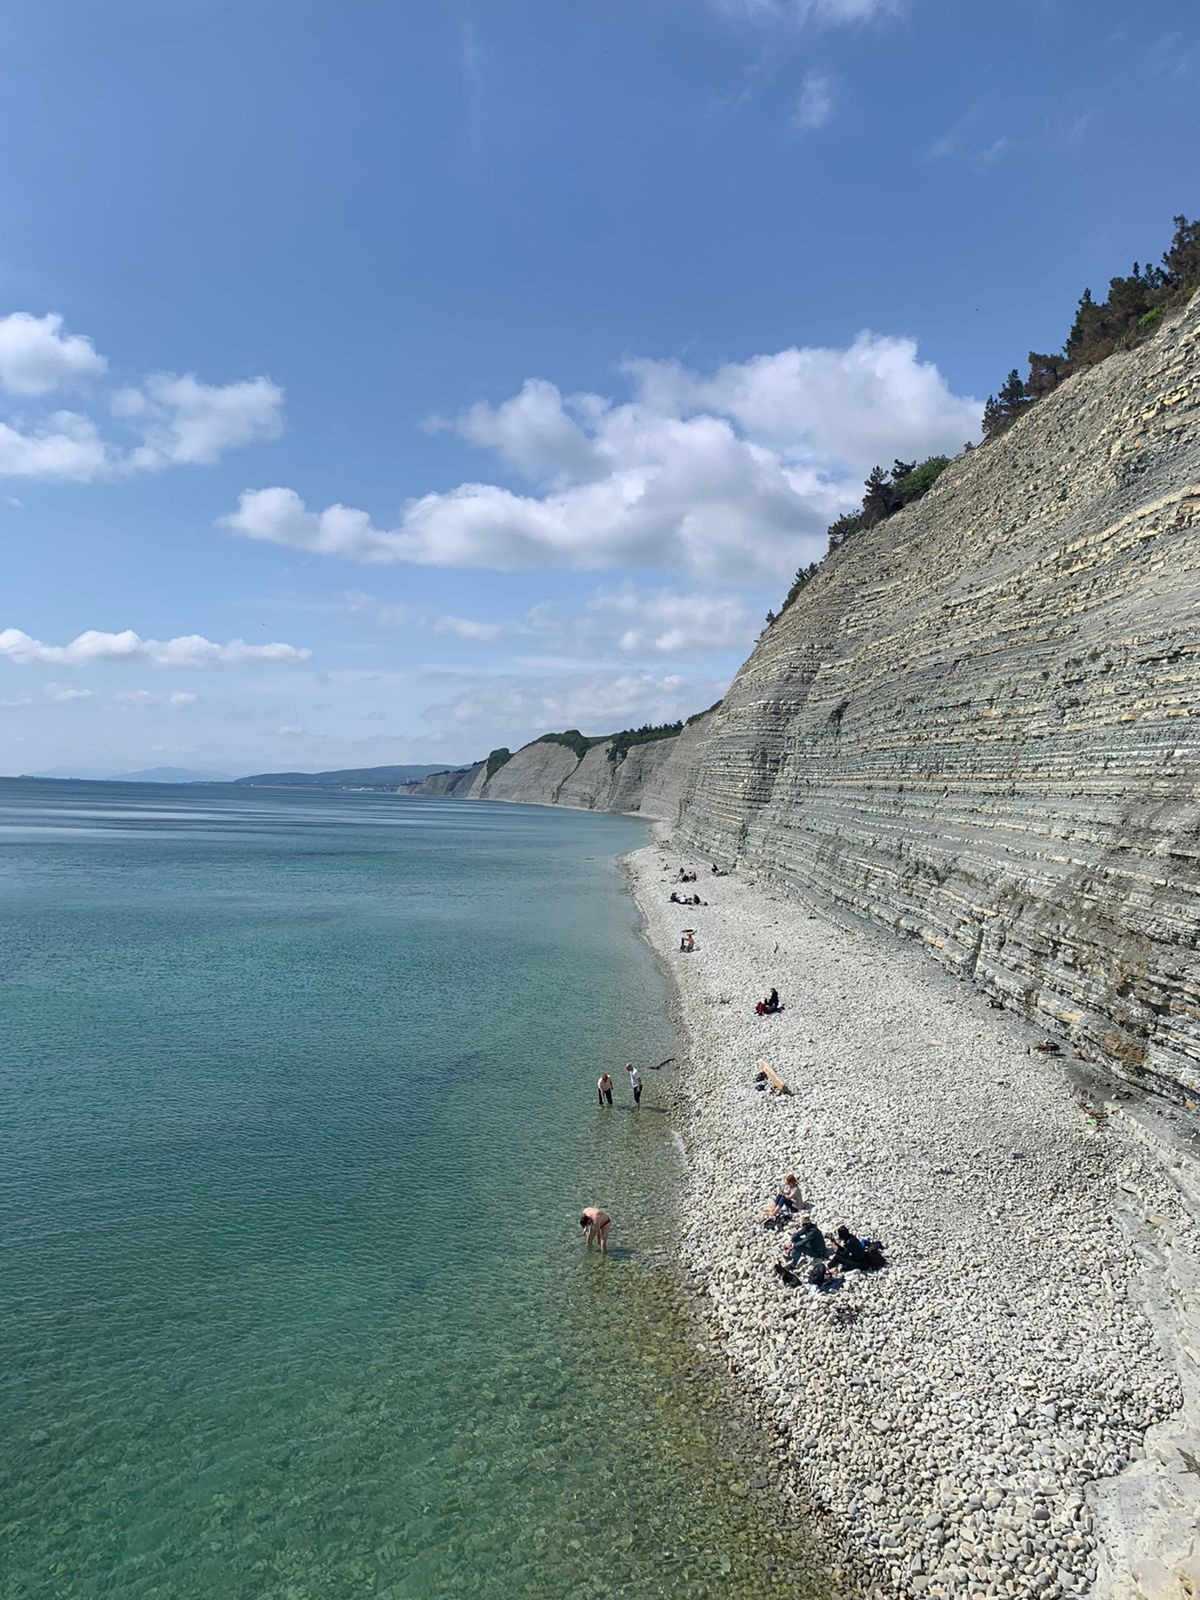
(957, 1420)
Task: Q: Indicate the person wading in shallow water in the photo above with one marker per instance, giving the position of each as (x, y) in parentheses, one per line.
(604, 1088)
(597, 1223)
(635, 1082)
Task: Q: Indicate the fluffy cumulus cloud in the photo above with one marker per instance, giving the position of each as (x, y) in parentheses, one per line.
(61, 445)
(167, 419)
(189, 650)
(37, 356)
(62, 693)
(730, 475)
(186, 422)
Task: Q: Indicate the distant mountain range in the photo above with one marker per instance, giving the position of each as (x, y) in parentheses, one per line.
(148, 775)
(347, 777)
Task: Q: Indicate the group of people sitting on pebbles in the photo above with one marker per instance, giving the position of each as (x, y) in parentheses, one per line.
(686, 899)
(826, 1261)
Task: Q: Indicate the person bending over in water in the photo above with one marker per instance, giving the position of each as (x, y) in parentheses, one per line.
(597, 1223)
(604, 1089)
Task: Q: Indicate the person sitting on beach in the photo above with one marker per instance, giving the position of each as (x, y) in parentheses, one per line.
(688, 941)
(808, 1240)
(851, 1252)
(675, 900)
(770, 1006)
(597, 1223)
(786, 1202)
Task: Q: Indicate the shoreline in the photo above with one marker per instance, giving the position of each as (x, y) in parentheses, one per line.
(1009, 1408)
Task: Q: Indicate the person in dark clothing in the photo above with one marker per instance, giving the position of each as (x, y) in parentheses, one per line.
(850, 1252)
(808, 1240)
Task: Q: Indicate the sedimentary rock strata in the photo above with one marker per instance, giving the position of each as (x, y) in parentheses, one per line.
(977, 725)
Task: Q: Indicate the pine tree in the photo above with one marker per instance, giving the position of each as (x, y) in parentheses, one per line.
(1013, 396)
(876, 502)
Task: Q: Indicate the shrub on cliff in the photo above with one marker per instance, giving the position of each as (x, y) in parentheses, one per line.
(572, 738)
(497, 759)
(1132, 310)
(646, 734)
(885, 492)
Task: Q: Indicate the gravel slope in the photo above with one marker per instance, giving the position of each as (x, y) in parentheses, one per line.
(950, 1412)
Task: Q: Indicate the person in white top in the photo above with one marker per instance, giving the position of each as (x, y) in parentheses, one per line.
(635, 1082)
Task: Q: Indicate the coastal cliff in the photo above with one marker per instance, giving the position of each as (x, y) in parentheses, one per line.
(976, 725)
(646, 779)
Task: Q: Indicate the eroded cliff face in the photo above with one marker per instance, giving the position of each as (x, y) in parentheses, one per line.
(978, 724)
(648, 779)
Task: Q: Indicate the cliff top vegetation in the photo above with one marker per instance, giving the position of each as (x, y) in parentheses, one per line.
(1132, 311)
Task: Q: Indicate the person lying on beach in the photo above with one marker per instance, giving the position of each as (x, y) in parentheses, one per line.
(769, 1006)
(597, 1223)
(808, 1240)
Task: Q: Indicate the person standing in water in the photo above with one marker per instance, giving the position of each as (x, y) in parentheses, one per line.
(604, 1089)
(635, 1083)
(597, 1223)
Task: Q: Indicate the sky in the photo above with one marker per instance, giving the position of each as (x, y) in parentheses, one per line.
(389, 382)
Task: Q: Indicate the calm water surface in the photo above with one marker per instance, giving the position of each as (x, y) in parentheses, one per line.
(297, 1100)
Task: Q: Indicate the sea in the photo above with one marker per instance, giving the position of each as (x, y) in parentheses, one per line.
(297, 1116)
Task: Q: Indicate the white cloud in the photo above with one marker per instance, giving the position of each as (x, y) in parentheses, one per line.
(290, 729)
(59, 691)
(729, 476)
(166, 420)
(464, 628)
(664, 622)
(189, 650)
(147, 697)
(21, 700)
(801, 13)
(36, 356)
(185, 422)
(533, 431)
(512, 710)
(63, 445)
(815, 106)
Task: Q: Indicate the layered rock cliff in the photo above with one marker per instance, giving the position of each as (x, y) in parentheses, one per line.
(648, 778)
(978, 724)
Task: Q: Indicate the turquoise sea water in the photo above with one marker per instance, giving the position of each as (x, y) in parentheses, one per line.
(297, 1099)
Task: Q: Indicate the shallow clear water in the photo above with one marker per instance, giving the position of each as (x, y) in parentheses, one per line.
(297, 1095)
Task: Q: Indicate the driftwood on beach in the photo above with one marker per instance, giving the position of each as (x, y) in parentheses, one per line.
(773, 1078)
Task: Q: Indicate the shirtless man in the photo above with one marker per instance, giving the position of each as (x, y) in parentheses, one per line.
(597, 1223)
(604, 1089)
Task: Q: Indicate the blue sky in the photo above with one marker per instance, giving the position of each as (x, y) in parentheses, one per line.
(385, 382)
